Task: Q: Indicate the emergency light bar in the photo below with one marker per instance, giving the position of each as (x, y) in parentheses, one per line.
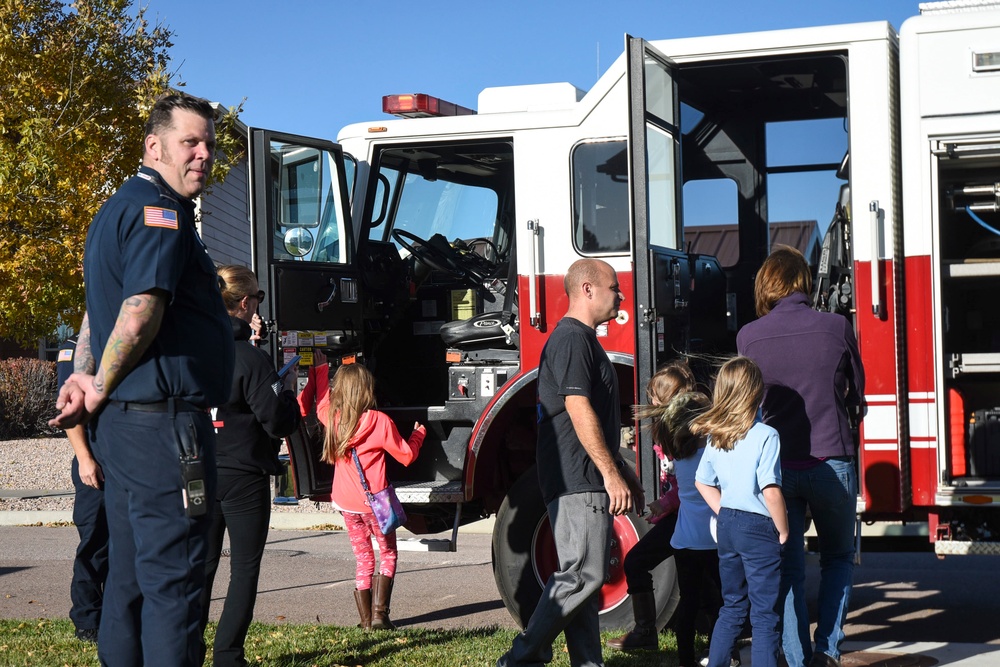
(418, 105)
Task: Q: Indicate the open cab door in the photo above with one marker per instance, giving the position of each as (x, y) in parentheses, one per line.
(654, 177)
(303, 254)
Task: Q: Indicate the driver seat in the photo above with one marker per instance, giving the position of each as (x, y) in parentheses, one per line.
(495, 330)
(486, 330)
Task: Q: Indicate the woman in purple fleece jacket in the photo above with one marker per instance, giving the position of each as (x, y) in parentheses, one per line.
(812, 374)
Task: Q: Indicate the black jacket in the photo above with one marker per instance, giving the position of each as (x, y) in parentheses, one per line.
(258, 411)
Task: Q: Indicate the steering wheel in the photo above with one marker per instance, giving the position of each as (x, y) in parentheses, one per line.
(382, 269)
(465, 266)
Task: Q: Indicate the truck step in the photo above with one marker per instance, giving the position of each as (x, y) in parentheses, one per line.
(437, 491)
(424, 544)
(961, 548)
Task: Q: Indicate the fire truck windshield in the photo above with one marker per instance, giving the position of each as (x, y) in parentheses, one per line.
(458, 192)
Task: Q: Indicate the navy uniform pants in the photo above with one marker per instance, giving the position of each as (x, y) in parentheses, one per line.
(90, 567)
(152, 599)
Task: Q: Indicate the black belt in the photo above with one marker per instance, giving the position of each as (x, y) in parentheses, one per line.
(178, 405)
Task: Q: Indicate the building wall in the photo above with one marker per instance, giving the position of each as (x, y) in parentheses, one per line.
(225, 218)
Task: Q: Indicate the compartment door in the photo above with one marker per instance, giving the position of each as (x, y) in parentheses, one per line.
(654, 177)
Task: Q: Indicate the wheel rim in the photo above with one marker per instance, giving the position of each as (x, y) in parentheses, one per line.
(544, 560)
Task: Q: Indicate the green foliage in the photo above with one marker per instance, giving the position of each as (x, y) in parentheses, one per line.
(27, 397)
(51, 642)
(78, 81)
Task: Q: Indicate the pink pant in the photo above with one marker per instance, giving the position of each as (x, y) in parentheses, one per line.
(360, 528)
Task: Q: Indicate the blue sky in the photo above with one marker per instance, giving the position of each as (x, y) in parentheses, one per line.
(310, 67)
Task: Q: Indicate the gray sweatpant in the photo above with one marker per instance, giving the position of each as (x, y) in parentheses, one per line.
(581, 526)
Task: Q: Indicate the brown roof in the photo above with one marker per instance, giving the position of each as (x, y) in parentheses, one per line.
(722, 241)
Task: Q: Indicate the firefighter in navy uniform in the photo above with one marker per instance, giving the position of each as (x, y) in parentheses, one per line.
(162, 355)
(90, 566)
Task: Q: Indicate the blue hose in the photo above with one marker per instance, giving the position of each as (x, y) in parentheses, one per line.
(980, 222)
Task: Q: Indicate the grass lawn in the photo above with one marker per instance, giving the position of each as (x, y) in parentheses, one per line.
(41, 643)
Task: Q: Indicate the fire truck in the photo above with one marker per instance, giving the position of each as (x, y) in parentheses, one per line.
(432, 248)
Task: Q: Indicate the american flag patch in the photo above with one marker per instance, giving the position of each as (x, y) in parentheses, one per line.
(153, 216)
(66, 355)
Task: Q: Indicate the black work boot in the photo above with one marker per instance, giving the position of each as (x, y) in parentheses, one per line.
(643, 636)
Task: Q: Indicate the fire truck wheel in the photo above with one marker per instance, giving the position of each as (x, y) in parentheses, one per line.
(524, 557)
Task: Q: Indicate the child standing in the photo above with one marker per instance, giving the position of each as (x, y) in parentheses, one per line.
(348, 412)
(654, 547)
(696, 555)
(740, 478)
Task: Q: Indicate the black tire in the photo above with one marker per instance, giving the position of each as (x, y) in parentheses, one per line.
(523, 556)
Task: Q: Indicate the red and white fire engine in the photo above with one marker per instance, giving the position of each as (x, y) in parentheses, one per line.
(433, 248)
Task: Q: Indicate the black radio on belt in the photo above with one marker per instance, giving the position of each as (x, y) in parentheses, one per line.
(192, 472)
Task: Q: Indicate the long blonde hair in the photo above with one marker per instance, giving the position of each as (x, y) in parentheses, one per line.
(352, 392)
(669, 381)
(739, 388)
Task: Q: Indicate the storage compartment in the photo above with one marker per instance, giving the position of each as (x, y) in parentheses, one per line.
(969, 242)
(982, 448)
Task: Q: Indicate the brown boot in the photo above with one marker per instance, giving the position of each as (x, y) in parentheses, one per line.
(643, 636)
(381, 594)
(363, 598)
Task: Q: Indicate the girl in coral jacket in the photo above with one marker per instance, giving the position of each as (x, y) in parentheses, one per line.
(347, 411)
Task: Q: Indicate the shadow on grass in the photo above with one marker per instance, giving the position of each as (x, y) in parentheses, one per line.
(385, 647)
(449, 613)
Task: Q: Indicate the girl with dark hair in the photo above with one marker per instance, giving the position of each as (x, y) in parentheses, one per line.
(654, 547)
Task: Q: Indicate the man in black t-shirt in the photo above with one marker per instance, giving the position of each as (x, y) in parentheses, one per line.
(584, 482)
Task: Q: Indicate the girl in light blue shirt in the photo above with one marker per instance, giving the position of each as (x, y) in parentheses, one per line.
(695, 554)
(739, 477)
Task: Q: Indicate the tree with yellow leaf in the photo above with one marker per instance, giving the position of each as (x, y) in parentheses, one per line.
(77, 82)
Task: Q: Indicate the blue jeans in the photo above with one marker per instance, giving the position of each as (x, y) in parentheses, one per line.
(829, 491)
(750, 570)
(570, 602)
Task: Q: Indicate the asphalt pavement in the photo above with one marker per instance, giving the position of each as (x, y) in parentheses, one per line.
(906, 609)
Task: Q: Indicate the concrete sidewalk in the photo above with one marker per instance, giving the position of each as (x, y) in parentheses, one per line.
(279, 520)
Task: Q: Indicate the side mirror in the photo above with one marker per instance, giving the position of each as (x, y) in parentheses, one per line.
(298, 241)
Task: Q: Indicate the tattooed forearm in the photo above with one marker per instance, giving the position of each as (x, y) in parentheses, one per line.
(83, 358)
(137, 325)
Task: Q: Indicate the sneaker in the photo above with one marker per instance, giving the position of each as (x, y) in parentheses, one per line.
(820, 659)
(87, 635)
(734, 660)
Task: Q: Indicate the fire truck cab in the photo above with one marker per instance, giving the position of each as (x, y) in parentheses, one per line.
(433, 248)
